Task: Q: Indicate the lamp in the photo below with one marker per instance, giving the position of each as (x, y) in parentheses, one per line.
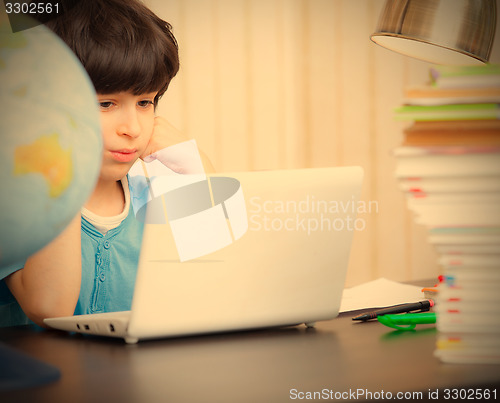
(453, 32)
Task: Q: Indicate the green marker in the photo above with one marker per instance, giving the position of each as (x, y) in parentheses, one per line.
(407, 321)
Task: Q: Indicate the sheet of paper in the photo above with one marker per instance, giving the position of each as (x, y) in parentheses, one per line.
(379, 293)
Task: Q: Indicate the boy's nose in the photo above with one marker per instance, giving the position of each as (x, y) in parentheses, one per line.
(129, 125)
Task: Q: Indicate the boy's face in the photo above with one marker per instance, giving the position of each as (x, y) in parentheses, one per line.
(127, 122)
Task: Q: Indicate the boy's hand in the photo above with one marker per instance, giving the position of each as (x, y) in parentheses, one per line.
(164, 135)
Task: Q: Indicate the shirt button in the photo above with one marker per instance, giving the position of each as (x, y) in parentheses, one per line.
(107, 244)
(102, 277)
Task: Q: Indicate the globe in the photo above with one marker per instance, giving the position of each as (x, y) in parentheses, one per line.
(50, 140)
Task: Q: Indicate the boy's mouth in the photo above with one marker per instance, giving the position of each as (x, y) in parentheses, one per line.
(125, 155)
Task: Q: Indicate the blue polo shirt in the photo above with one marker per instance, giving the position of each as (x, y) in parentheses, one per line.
(109, 266)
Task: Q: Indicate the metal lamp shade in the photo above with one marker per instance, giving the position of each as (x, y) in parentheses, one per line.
(454, 32)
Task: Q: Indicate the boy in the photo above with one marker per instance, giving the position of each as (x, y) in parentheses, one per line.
(130, 55)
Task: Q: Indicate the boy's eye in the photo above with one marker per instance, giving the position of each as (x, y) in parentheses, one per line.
(105, 104)
(144, 103)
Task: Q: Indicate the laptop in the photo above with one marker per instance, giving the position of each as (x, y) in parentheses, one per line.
(283, 264)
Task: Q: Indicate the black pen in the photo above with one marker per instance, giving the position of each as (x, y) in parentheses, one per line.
(421, 306)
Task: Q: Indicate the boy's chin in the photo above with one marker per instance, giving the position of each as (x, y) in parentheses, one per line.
(117, 171)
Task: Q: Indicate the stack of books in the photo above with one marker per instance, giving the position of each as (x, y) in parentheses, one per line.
(449, 168)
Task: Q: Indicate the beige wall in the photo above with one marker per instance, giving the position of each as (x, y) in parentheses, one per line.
(268, 84)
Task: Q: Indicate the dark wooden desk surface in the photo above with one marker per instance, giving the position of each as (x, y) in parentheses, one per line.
(257, 366)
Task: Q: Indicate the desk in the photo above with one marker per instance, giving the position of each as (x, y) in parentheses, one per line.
(257, 366)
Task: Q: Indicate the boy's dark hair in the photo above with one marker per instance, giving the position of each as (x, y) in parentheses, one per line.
(122, 44)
